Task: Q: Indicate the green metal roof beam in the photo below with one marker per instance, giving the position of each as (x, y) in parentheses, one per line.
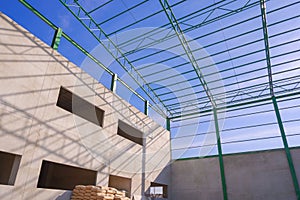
(187, 48)
(220, 62)
(143, 19)
(165, 25)
(232, 117)
(230, 103)
(124, 62)
(210, 45)
(69, 39)
(207, 12)
(276, 109)
(243, 92)
(123, 12)
(209, 107)
(240, 66)
(98, 7)
(248, 87)
(237, 105)
(224, 61)
(208, 22)
(237, 109)
(202, 36)
(204, 47)
(227, 96)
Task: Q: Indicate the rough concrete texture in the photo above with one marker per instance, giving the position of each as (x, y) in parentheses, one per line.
(296, 159)
(255, 176)
(249, 176)
(35, 128)
(197, 179)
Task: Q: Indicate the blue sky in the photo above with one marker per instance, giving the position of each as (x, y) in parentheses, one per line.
(58, 14)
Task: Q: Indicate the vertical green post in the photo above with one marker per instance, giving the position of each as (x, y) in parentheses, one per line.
(275, 104)
(146, 108)
(56, 39)
(113, 85)
(220, 155)
(168, 124)
(286, 148)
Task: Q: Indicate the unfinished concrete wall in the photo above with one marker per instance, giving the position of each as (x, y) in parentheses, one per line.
(197, 179)
(35, 128)
(249, 176)
(263, 175)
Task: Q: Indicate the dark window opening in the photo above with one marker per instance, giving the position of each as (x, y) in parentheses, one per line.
(80, 107)
(130, 132)
(158, 190)
(9, 166)
(120, 183)
(65, 177)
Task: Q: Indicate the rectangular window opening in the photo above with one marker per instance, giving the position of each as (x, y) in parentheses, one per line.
(9, 166)
(80, 107)
(120, 183)
(130, 132)
(158, 190)
(64, 177)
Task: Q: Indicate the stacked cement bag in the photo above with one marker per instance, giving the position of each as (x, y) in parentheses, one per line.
(91, 192)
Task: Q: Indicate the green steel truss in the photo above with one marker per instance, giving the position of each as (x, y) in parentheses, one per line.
(253, 43)
(204, 16)
(238, 75)
(188, 51)
(90, 24)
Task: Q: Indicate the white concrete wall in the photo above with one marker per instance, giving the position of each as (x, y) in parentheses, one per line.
(262, 175)
(197, 179)
(32, 126)
(249, 176)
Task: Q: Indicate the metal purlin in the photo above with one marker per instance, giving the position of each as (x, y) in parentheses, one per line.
(252, 100)
(193, 61)
(56, 41)
(121, 59)
(188, 51)
(273, 97)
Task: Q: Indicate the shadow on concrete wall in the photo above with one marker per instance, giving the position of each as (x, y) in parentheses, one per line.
(33, 125)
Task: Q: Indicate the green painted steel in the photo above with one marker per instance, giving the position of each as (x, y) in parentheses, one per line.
(56, 38)
(220, 155)
(237, 105)
(274, 101)
(286, 147)
(267, 46)
(113, 86)
(25, 3)
(168, 124)
(146, 108)
(117, 54)
(84, 51)
(188, 51)
(234, 154)
(234, 62)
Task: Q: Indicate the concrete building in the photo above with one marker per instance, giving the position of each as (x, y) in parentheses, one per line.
(223, 76)
(43, 125)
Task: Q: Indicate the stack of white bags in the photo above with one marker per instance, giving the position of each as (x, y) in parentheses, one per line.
(91, 192)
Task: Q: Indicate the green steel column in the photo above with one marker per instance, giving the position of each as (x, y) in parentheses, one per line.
(168, 124)
(146, 108)
(56, 38)
(220, 155)
(286, 148)
(113, 85)
(277, 112)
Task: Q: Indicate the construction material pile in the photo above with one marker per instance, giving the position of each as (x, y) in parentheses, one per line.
(91, 192)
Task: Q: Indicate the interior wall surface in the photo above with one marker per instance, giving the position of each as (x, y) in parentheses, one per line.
(34, 127)
(249, 176)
